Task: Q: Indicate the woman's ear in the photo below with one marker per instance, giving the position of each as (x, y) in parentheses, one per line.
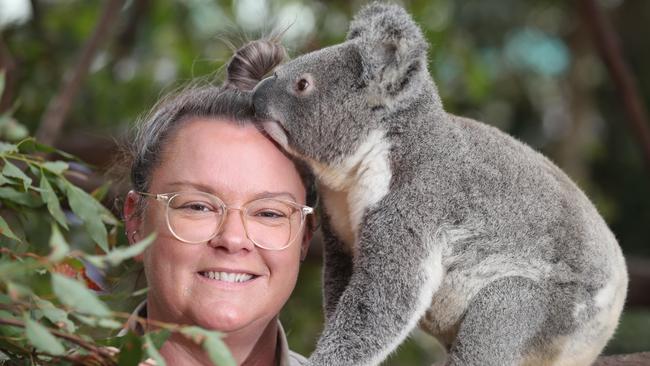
(132, 219)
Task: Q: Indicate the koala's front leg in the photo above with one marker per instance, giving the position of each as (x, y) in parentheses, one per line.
(394, 277)
(337, 268)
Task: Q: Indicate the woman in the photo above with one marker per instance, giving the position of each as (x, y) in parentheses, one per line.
(230, 214)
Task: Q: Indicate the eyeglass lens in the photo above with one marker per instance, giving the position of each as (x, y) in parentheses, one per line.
(269, 223)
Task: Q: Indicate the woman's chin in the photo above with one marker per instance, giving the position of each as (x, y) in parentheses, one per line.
(224, 318)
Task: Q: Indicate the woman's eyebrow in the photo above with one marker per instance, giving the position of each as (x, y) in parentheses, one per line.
(197, 186)
(268, 194)
(208, 189)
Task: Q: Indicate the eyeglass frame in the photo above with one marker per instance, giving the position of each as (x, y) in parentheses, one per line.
(167, 197)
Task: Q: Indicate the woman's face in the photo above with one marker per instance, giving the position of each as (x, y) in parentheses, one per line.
(237, 164)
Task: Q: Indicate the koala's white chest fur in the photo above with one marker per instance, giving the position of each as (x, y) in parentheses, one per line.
(354, 184)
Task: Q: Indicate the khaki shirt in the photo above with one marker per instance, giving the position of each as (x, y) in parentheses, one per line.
(285, 356)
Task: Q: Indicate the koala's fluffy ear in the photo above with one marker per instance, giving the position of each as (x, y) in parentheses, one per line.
(392, 47)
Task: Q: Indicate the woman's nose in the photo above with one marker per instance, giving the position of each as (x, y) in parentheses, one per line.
(232, 234)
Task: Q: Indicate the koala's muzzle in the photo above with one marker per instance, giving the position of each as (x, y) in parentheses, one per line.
(261, 94)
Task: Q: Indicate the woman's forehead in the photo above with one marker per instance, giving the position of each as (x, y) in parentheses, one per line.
(227, 156)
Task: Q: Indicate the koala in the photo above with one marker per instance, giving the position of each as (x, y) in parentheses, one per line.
(435, 220)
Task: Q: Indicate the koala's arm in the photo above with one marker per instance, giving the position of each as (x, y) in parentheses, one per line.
(394, 278)
(337, 269)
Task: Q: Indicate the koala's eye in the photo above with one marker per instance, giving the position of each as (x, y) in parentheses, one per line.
(302, 84)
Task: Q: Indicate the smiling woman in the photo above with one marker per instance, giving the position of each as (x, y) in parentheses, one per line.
(231, 217)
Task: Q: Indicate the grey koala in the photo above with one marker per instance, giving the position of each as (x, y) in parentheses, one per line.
(436, 220)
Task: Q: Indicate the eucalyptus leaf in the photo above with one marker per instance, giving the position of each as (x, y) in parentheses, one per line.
(56, 167)
(16, 290)
(29, 145)
(6, 230)
(52, 201)
(10, 170)
(7, 148)
(77, 296)
(131, 350)
(55, 315)
(212, 344)
(152, 351)
(60, 247)
(4, 180)
(7, 331)
(21, 198)
(117, 256)
(41, 338)
(16, 269)
(99, 322)
(85, 206)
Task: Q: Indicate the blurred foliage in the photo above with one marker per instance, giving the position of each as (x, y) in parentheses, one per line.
(528, 67)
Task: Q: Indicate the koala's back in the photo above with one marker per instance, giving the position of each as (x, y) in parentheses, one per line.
(510, 212)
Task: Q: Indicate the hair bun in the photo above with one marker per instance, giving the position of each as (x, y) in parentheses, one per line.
(252, 62)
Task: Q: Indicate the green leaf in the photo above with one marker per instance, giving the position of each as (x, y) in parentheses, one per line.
(131, 350)
(12, 130)
(55, 315)
(212, 345)
(30, 145)
(58, 244)
(4, 180)
(7, 148)
(85, 206)
(10, 170)
(21, 198)
(41, 338)
(2, 82)
(16, 290)
(8, 331)
(75, 295)
(99, 322)
(52, 201)
(6, 230)
(152, 350)
(117, 256)
(17, 269)
(56, 167)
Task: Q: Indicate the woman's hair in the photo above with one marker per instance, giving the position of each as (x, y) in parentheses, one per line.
(250, 64)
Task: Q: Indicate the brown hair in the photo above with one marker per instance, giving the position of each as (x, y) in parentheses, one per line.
(252, 62)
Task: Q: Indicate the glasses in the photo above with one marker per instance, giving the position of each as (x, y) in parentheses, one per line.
(197, 217)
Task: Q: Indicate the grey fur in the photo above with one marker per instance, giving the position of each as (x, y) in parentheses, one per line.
(438, 220)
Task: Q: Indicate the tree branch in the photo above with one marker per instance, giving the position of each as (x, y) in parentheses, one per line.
(69, 337)
(54, 117)
(612, 54)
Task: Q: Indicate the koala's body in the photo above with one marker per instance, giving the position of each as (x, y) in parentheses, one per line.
(436, 220)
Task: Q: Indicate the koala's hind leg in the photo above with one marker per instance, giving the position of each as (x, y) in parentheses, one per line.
(512, 321)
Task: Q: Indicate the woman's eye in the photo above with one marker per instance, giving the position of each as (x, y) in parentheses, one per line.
(270, 214)
(302, 84)
(197, 206)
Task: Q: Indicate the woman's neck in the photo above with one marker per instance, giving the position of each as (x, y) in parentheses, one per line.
(247, 348)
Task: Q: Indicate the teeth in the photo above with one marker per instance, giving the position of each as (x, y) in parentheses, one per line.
(228, 277)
